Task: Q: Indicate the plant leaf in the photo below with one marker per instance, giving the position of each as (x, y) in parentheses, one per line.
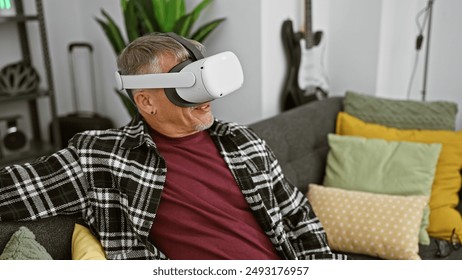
(185, 23)
(167, 12)
(160, 13)
(147, 22)
(112, 32)
(174, 11)
(205, 30)
(146, 8)
(196, 12)
(131, 20)
(141, 23)
(123, 4)
(145, 25)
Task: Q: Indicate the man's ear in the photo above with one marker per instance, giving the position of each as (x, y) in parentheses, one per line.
(144, 101)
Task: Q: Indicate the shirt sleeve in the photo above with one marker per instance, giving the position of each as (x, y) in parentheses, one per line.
(304, 229)
(49, 186)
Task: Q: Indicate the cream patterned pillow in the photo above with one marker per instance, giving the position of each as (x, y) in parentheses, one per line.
(380, 225)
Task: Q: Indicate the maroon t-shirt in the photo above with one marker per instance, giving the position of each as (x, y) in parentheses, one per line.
(202, 212)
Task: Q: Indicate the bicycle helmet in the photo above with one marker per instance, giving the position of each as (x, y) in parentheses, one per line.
(18, 78)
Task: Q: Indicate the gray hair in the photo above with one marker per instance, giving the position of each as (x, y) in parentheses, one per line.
(142, 56)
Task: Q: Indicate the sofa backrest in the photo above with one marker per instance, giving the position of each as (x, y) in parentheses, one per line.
(298, 138)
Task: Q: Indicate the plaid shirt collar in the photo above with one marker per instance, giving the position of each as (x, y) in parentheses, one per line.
(137, 133)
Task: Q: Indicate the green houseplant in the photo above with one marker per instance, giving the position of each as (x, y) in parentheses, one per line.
(147, 16)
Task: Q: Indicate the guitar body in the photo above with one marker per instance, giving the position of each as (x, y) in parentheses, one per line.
(305, 81)
(311, 76)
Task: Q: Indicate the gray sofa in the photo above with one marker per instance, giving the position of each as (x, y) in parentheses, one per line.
(298, 138)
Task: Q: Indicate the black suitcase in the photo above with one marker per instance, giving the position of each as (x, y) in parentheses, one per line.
(80, 121)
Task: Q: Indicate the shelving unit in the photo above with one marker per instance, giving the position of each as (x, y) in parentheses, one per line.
(37, 145)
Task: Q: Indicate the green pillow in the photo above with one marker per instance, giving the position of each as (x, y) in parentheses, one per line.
(383, 167)
(23, 246)
(403, 114)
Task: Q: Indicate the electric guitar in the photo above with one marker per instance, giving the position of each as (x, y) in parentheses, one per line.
(305, 81)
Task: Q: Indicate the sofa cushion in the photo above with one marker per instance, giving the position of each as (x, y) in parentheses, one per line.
(444, 197)
(384, 167)
(380, 225)
(298, 138)
(405, 114)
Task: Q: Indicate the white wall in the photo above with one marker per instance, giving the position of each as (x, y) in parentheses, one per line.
(372, 49)
(397, 53)
(369, 48)
(445, 61)
(352, 45)
(273, 61)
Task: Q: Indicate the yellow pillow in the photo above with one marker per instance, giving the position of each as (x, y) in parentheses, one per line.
(444, 197)
(380, 225)
(85, 246)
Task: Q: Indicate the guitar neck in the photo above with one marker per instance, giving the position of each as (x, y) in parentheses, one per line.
(309, 41)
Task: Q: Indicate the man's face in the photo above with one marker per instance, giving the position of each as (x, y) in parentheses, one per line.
(172, 120)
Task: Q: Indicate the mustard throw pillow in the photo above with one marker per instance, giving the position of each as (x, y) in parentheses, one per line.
(85, 246)
(444, 197)
(379, 225)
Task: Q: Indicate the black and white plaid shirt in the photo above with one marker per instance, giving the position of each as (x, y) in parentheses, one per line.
(114, 178)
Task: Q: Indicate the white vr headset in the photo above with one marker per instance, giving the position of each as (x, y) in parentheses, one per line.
(194, 81)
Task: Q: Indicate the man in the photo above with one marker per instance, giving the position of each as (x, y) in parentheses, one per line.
(173, 183)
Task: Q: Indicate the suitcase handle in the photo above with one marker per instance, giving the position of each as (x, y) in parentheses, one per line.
(80, 45)
(71, 47)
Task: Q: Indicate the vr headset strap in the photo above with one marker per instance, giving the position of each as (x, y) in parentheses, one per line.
(193, 51)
